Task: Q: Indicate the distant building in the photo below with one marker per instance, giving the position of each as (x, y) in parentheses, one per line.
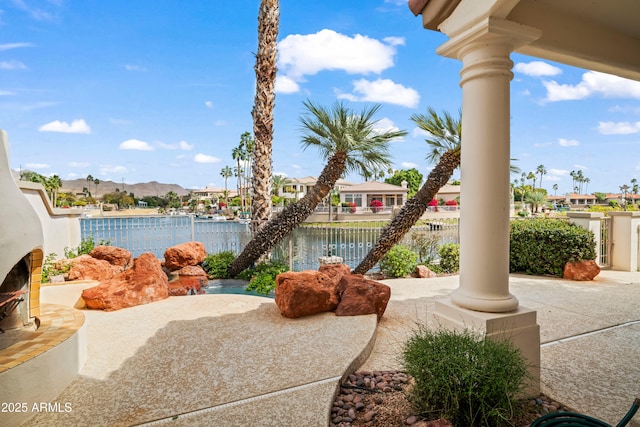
(297, 188)
(364, 194)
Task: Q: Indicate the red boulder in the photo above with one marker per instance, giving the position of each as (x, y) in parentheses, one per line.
(304, 293)
(335, 271)
(189, 281)
(85, 267)
(113, 255)
(143, 283)
(581, 270)
(362, 296)
(183, 255)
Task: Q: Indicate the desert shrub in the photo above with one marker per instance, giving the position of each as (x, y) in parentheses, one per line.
(51, 268)
(425, 244)
(262, 277)
(449, 258)
(544, 246)
(463, 377)
(400, 261)
(216, 265)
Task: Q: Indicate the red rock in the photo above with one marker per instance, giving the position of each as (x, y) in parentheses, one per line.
(85, 267)
(304, 293)
(423, 272)
(581, 270)
(143, 283)
(438, 423)
(189, 280)
(335, 271)
(362, 296)
(183, 255)
(113, 255)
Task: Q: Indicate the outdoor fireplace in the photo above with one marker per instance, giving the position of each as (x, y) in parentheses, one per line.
(21, 254)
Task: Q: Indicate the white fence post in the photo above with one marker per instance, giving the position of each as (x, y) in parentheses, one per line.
(624, 254)
(589, 221)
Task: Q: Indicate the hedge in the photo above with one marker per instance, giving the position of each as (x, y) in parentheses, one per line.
(544, 246)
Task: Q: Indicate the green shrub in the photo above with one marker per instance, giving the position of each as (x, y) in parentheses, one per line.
(262, 277)
(400, 261)
(49, 268)
(216, 265)
(85, 246)
(449, 257)
(425, 244)
(463, 377)
(544, 246)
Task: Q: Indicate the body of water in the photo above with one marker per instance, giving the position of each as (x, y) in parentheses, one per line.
(301, 249)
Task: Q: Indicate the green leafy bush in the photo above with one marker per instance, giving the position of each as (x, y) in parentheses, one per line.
(463, 377)
(544, 246)
(262, 277)
(85, 246)
(400, 261)
(449, 257)
(49, 268)
(216, 265)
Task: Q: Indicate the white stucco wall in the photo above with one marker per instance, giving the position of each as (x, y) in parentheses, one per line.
(61, 227)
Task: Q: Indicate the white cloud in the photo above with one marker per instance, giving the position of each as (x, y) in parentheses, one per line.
(568, 142)
(537, 69)
(593, 83)
(37, 166)
(305, 55)
(634, 109)
(12, 65)
(580, 167)
(286, 84)
(108, 169)
(135, 144)
(79, 164)
(204, 158)
(220, 123)
(409, 165)
(557, 172)
(208, 104)
(8, 46)
(418, 132)
(382, 90)
(282, 174)
(184, 145)
(385, 125)
(296, 166)
(618, 128)
(6, 93)
(130, 67)
(76, 126)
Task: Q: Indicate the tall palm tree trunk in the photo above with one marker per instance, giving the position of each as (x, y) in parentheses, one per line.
(265, 68)
(291, 216)
(411, 211)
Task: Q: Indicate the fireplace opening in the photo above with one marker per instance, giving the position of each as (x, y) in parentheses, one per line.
(14, 300)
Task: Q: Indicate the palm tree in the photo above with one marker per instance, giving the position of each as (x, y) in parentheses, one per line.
(277, 182)
(96, 181)
(444, 143)
(532, 177)
(555, 189)
(236, 154)
(52, 184)
(226, 173)
(586, 187)
(542, 171)
(268, 22)
(536, 199)
(349, 142)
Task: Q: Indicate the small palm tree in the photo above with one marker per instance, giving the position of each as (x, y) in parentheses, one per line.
(349, 142)
(555, 189)
(542, 171)
(537, 199)
(226, 173)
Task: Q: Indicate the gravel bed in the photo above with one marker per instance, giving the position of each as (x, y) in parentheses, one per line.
(377, 399)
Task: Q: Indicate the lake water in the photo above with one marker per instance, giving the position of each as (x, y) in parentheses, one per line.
(351, 241)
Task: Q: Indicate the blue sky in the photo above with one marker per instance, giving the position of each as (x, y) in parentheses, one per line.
(161, 90)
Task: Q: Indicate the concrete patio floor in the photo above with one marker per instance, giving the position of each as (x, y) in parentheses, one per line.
(229, 360)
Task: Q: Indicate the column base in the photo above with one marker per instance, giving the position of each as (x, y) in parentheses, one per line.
(491, 305)
(520, 326)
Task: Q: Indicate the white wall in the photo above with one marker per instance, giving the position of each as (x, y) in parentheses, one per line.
(61, 227)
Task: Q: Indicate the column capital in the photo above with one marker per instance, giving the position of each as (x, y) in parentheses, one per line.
(587, 215)
(489, 31)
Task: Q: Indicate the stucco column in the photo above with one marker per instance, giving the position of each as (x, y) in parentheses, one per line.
(485, 194)
(589, 221)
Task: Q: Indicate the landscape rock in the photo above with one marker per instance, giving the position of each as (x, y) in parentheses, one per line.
(423, 272)
(183, 255)
(305, 293)
(335, 271)
(581, 270)
(86, 267)
(188, 281)
(361, 296)
(113, 255)
(143, 283)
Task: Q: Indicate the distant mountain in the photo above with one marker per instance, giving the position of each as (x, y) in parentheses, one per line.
(153, 188)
